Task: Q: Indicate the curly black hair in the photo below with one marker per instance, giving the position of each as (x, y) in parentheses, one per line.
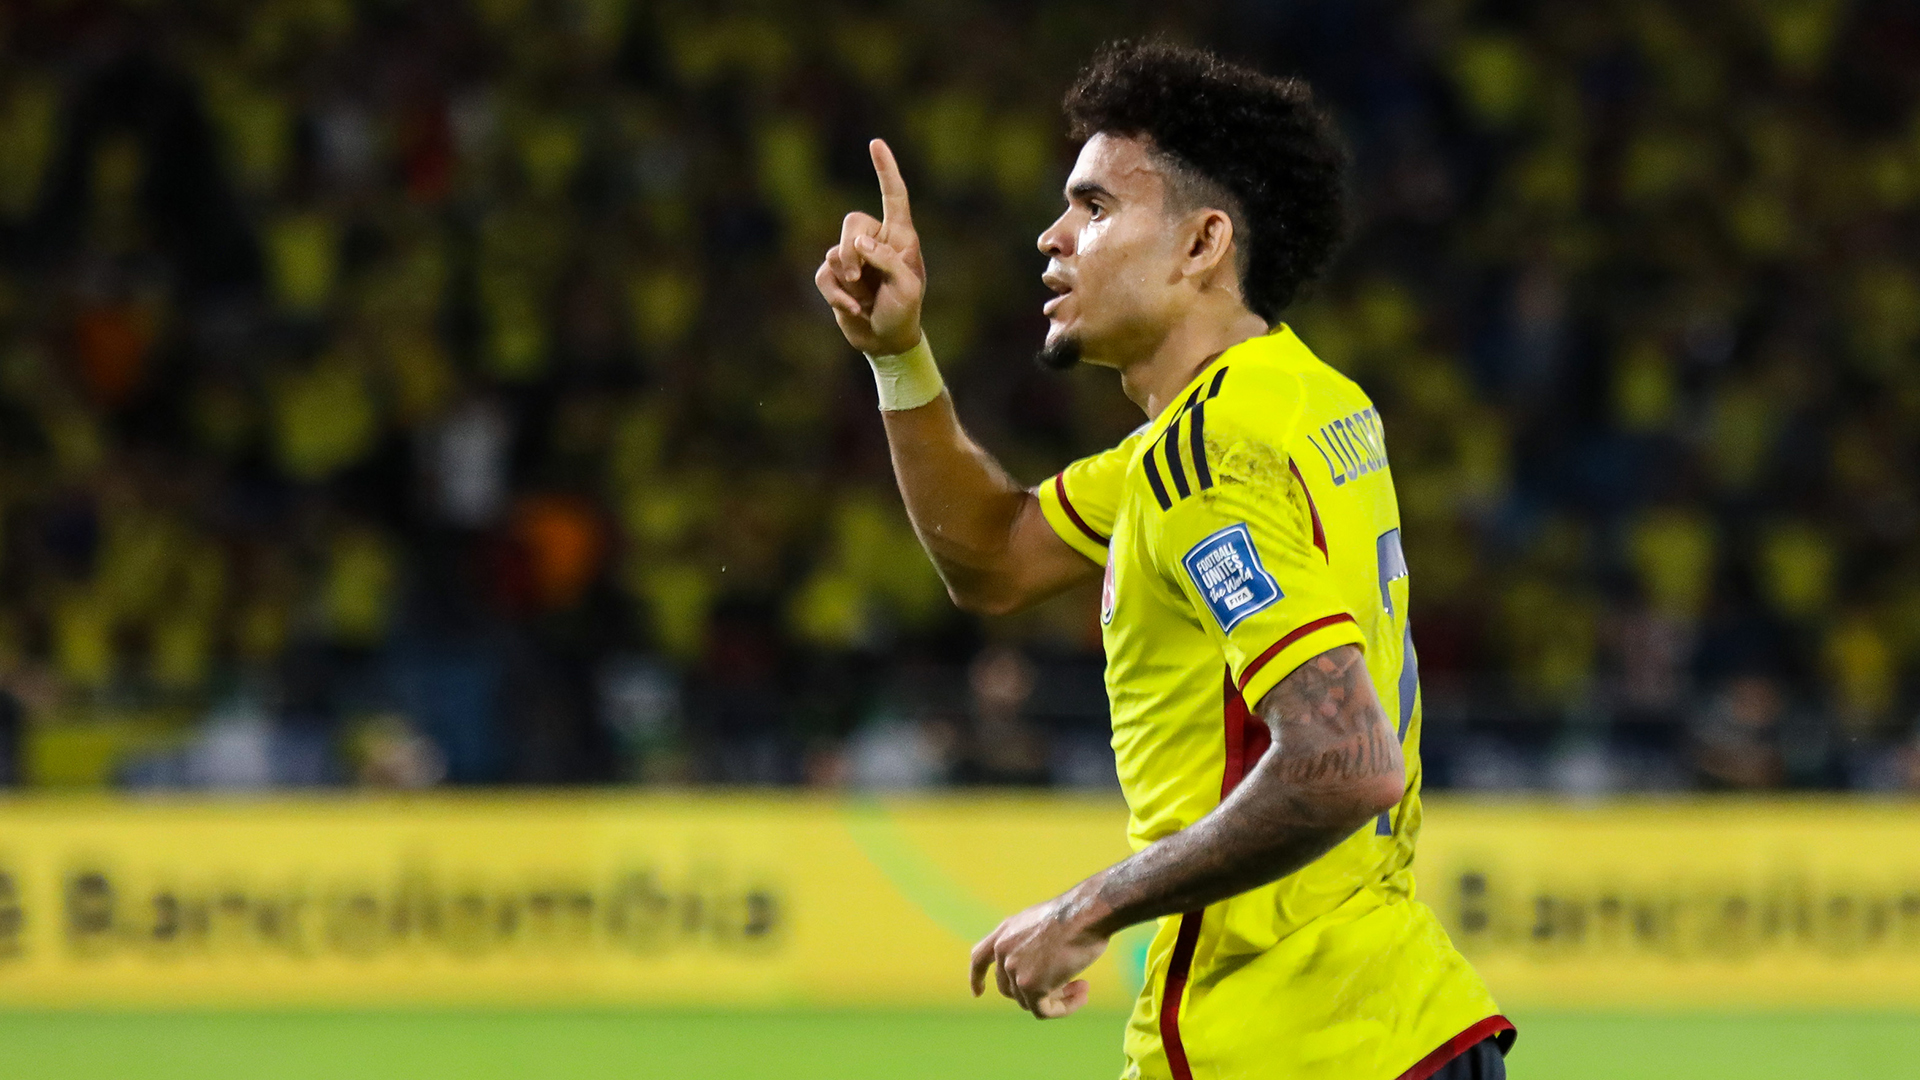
(1233, 136)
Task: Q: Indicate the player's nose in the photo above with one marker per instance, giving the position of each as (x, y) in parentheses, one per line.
(1056, 241)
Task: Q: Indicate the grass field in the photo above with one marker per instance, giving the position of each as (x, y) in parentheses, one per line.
(855, 1046)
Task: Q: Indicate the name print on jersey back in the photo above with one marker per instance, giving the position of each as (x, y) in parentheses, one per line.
(1352, 446)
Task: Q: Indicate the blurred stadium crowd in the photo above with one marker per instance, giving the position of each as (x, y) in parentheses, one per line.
(400, 392)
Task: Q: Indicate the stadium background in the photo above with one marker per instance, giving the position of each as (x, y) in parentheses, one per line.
(433, 395)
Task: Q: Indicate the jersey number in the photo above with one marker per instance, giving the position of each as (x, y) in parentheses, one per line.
(1393, 566)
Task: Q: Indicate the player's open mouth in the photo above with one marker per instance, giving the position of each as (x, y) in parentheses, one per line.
(1061, 288)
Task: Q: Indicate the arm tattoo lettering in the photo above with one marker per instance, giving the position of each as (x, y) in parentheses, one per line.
(1327, 722)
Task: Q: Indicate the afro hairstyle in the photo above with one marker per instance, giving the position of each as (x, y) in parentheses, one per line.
(1232, 134)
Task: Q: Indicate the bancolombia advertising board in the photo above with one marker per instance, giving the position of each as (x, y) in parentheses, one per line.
(523, 900)
(729, 900)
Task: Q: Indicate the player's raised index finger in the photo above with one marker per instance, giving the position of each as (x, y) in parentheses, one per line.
(893, 188)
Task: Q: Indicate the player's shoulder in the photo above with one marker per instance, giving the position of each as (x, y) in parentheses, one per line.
(1238, 403)
(1273, 390)
(1277, 383)
(1241, 420)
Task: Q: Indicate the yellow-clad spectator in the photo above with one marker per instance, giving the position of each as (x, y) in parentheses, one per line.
(1796, 568)
(1861, 672)
(325, 417)
(303, 259)
(359, 585)
(1674, 556)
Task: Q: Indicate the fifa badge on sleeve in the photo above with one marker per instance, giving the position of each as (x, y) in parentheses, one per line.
(1226, 569)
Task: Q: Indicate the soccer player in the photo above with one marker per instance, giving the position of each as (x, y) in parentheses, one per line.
(1264, 697)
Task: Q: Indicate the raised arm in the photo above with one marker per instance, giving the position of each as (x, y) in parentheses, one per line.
(1334, 764)
(985, 533)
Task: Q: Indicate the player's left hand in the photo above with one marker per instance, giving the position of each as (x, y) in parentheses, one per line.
(1037, 953)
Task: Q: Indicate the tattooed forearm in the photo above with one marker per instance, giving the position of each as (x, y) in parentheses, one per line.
(1334, 763)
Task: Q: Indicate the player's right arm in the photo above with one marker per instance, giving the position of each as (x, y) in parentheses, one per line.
(1335, 763)
(988, 536)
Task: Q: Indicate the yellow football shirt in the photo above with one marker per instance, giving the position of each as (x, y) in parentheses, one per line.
(1247, 529)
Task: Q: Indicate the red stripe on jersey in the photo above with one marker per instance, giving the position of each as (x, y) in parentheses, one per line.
(1246, 741)
(1273, 650)
(1247, 737)
(1177, 968)
(1460, 1044)
(1319, 534)
(1060, 489)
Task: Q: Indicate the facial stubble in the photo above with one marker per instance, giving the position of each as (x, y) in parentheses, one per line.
(1060, 354)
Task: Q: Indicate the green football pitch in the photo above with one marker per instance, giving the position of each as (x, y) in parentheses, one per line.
(854, 1046)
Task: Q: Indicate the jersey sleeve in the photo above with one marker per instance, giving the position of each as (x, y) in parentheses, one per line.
(1249, 553)
(1080, 501)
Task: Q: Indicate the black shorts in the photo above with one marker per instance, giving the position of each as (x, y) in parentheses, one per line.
(1484, 1060)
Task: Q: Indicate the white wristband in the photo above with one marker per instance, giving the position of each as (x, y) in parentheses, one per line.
(907, 380)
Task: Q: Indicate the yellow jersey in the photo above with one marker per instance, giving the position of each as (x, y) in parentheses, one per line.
(1248, 528)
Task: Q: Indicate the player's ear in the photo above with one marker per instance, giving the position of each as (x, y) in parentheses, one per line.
(1210, 242)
